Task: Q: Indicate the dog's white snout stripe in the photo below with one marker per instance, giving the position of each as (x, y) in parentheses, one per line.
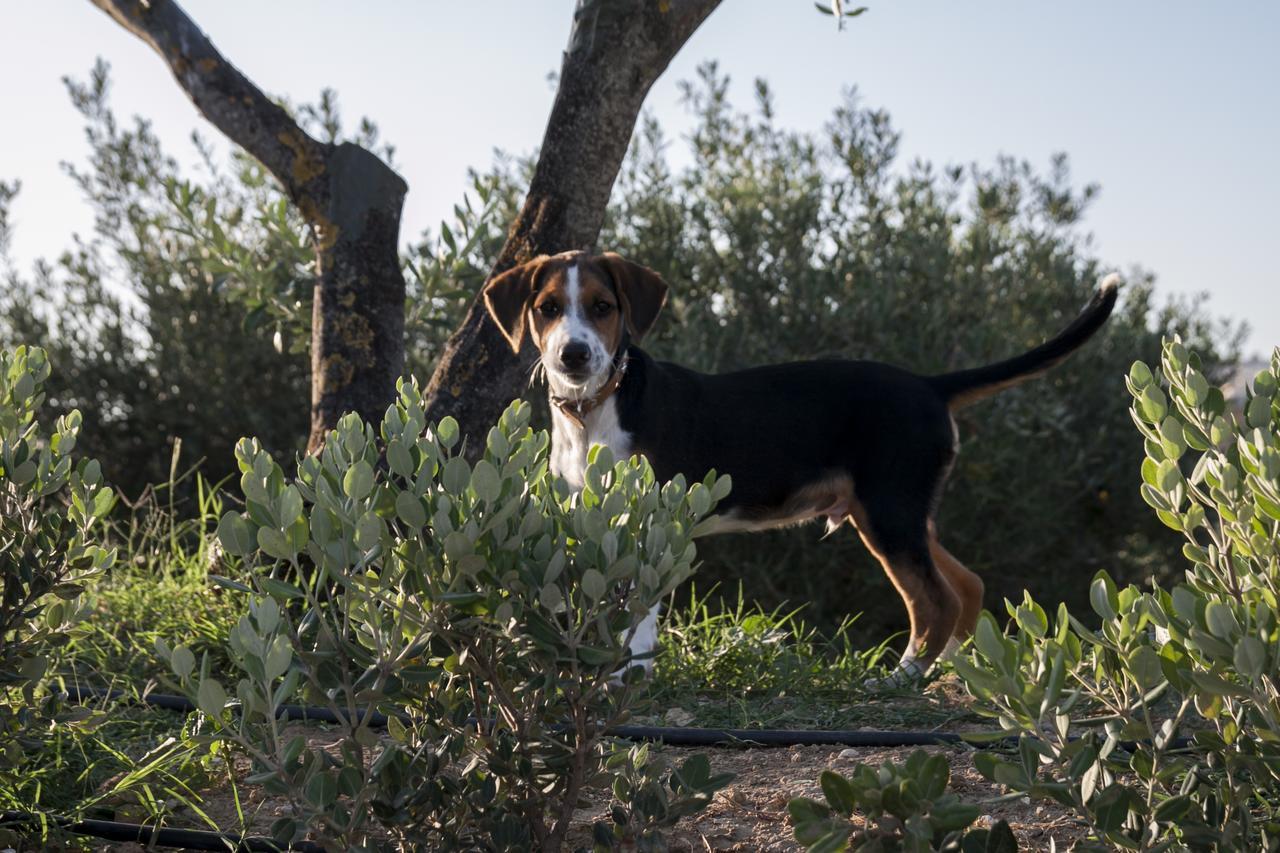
(574, 329)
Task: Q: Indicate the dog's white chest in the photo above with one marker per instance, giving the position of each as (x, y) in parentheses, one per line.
(570, 443)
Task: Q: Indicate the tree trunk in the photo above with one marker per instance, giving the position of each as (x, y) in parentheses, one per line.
(617, 49)
(357, 315)
(351, 199)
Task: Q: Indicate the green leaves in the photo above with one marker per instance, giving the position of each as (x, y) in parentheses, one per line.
(50, 507)
(897, 806)
(839, 791)
(1155, 659)
(211, 698)
(1103, 596)
(183, 662)
(358, 480)
(651, 796)
(593, 584)
(438, 588)
(409, 509)
(486, 482)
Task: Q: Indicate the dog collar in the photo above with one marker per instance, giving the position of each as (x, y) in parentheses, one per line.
(577, 410)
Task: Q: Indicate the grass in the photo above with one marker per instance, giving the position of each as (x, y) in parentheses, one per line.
(126, 761)
(159, 589)
(745, 667)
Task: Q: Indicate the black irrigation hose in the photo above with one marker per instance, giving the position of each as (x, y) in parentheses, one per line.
(186, 839)
(671, 735)
(182, 703)
(685, 736)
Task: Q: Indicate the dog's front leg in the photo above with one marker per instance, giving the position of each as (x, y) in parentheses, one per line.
(643, 644)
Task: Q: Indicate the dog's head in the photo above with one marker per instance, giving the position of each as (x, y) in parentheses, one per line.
(579, 310)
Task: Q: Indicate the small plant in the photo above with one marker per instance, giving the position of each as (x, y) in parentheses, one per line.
(894, 807)
(652, 796)
(1160, 727)
(484, 607)
(51, 506)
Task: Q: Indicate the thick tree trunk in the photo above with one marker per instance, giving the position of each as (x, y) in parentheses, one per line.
(617, 49)
(351, 199)
(357, 317)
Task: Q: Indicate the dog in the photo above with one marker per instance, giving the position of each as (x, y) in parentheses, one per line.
(832, 440)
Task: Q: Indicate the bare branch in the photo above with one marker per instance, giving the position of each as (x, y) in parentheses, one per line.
(228, 99)
(351, 199)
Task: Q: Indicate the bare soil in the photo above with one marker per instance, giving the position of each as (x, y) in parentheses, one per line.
(750, 814)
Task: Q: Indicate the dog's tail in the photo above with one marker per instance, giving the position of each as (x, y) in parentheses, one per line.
(968, 386)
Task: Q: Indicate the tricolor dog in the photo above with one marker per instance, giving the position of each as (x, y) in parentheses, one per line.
(836, 440)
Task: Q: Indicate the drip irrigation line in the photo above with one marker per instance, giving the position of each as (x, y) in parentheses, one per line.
(305, 713)
(672, 735)
(151, 836)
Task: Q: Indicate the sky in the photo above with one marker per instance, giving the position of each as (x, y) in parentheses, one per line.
(1171, 106)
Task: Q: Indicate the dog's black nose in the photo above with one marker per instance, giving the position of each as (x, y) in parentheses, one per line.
(574, 355)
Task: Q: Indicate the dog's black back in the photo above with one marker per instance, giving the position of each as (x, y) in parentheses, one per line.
(779, 428)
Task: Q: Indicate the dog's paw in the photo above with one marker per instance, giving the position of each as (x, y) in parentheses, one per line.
(909, 673)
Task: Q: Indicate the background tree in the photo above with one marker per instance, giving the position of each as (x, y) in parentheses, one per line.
(151, 339)
(779, 245)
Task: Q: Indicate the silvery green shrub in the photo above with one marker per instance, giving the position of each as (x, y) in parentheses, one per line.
(1196, 661)
(894, 807)
(51, 508)
(651, 795)
(485, 607)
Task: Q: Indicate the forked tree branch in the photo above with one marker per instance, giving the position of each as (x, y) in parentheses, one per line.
(351, 199)
(228, 99)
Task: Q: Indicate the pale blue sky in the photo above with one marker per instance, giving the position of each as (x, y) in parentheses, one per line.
(1171, 106)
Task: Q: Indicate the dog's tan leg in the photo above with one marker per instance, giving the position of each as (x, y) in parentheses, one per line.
(932, 605)
(967, 586)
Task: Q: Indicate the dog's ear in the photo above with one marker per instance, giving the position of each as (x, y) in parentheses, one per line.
(642, 291)
(507, 297)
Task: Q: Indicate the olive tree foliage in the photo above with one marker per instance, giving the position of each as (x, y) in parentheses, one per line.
(180, 317)
(186, 313)
(895, 807)
(1158, 728)
(486, 608)
(52, 506)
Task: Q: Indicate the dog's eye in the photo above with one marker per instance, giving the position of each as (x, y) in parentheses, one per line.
(602, 308)
(549, 310)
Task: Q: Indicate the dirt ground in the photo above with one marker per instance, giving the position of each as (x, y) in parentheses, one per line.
(750, 814)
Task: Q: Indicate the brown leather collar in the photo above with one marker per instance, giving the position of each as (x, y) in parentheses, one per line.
(577, 410)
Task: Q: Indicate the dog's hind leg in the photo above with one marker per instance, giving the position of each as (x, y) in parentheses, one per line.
(966, 584)
(895, 531)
